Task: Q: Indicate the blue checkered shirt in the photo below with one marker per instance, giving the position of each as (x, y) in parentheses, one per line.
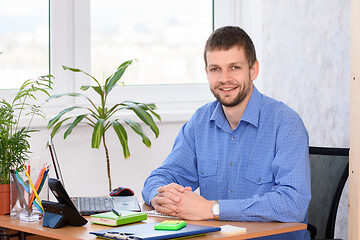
(258, 171)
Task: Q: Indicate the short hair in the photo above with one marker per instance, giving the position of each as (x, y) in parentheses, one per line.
(227, 37)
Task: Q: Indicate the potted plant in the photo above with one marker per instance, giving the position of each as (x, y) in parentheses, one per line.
(102, 117)
(14, 140)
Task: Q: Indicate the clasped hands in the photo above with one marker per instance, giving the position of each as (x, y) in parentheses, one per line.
(176, 200)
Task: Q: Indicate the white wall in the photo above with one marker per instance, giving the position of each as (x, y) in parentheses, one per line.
(84, 168)
(306, 64)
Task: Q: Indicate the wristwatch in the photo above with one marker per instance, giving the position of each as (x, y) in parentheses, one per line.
(215, 210)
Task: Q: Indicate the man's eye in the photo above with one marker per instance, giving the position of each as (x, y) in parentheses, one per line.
(235, 67)
(214, 69)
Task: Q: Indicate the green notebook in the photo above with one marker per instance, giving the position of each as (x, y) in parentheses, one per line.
(111, 219)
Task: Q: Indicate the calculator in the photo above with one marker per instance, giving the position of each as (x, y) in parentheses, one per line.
(171, 225)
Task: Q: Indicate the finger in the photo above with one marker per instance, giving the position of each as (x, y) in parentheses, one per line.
(169, 209)
(172, 187)
(177, 187)
(170, 197)
(160, 200)
(188, 188)
(171, 191)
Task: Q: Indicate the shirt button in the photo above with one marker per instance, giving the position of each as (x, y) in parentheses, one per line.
(230, 191)
(202, 172)
(233, 138)
(259, 179)
(231, 164)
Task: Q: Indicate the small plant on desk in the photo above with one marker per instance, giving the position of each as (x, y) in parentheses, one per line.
(14, 138)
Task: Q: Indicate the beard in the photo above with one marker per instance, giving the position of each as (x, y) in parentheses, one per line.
(226, 101)
(229, 102)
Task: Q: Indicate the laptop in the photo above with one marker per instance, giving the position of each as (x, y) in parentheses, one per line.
(92, 205)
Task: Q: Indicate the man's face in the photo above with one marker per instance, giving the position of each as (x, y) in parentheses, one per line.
(230, 76)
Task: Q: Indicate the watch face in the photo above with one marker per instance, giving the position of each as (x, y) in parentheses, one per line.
(215, 209)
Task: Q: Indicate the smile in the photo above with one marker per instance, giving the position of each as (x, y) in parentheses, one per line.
(227, 88)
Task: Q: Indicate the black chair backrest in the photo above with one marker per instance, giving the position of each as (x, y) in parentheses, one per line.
(329, 172)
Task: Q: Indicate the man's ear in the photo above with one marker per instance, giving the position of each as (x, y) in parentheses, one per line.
(254, 70)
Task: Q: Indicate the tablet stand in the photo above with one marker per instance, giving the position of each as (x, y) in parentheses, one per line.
(57, 215)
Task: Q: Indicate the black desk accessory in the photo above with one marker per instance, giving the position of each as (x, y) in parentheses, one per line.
(57, 215)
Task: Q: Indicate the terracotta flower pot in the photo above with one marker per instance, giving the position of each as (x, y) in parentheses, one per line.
(4, 199)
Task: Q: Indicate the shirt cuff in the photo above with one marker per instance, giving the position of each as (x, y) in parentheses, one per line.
(151, 195)
(233, 209)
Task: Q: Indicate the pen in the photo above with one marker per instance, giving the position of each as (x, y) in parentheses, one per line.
(116, 212)
(28, 166)
(34, 190)
(37, 185)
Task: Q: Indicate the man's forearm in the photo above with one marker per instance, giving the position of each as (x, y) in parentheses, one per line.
(273, 206)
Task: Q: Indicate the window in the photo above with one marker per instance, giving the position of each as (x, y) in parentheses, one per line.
(169, 71)
(77, 34)
(24, 41)
(166, 37)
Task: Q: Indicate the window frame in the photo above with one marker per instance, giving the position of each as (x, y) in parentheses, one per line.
(70, 46)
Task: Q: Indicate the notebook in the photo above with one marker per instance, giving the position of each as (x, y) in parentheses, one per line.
(111, 219)
(146, 231)
(93, 205)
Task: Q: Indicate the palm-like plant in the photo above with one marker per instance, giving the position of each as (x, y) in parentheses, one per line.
(103, 117)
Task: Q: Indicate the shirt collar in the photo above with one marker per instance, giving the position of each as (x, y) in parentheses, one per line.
(250, 115)
(218, 117)
(252, 110)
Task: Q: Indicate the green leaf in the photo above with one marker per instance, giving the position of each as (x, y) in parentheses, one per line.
(84, 88)
(143, 115)
(79, 70)
(68, 94)
(98, 90)
(122, 135)
(58, 126)
(119, 68)
(137, 128)
(57, 117)
(97, 133)
(150, 107)
(116, 76)
(74, 124)
(71, 69)
(44, 91)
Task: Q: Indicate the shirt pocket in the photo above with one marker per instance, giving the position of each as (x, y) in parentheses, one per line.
(259, 178)
(208, 181)
(207, 171)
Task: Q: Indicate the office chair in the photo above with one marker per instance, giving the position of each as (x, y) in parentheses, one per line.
(329, 172)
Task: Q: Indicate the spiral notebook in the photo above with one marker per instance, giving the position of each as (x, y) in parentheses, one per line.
(154, 213)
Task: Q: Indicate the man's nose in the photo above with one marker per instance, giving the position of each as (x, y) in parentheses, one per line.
(225, 76)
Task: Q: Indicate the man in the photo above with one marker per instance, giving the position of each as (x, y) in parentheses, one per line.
(246, 152)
